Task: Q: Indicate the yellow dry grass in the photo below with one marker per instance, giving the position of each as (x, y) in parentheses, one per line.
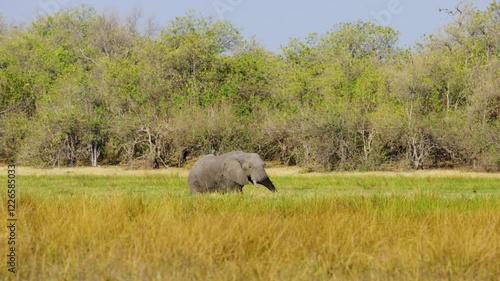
(115, 224)
(123, 238)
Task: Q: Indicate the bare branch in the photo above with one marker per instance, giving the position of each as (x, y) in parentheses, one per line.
(85, 57)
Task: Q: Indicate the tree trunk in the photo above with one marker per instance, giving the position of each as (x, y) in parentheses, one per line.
(95, 152)
(418, 149)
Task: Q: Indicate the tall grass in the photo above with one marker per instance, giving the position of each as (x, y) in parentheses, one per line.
(86, 227)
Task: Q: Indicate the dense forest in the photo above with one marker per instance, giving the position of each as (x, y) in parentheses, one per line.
(83, 88)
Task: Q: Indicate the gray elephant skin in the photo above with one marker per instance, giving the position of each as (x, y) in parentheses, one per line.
(228, 172)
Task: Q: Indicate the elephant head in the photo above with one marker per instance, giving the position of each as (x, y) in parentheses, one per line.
(228, 172)
(242, 168)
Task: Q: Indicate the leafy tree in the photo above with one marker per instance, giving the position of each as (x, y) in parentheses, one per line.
(190, 48)
(84, 88)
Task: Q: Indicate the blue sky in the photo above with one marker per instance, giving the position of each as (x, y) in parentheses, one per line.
(272, 22)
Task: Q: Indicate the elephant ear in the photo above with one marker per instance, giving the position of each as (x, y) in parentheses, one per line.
(234, 172)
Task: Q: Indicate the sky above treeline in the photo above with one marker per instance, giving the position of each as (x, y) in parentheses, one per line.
(272, 23)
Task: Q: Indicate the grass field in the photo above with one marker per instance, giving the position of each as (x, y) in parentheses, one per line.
(112, 224)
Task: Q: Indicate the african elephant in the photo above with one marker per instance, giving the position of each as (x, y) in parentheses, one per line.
(228, 172)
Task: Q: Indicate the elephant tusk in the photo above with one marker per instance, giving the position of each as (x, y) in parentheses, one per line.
(255, 183)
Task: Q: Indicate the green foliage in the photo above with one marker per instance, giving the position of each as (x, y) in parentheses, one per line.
(84, 88)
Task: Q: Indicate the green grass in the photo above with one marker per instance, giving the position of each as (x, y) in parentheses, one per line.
(322, 227)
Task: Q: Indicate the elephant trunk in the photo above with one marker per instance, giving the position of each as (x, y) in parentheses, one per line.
(268, 183)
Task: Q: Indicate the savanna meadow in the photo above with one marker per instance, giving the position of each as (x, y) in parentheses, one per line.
(116, 224)
(386, 158)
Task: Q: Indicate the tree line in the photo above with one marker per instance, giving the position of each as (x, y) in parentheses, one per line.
(80, 88)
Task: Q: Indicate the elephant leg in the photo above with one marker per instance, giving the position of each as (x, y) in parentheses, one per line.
(235, 188)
